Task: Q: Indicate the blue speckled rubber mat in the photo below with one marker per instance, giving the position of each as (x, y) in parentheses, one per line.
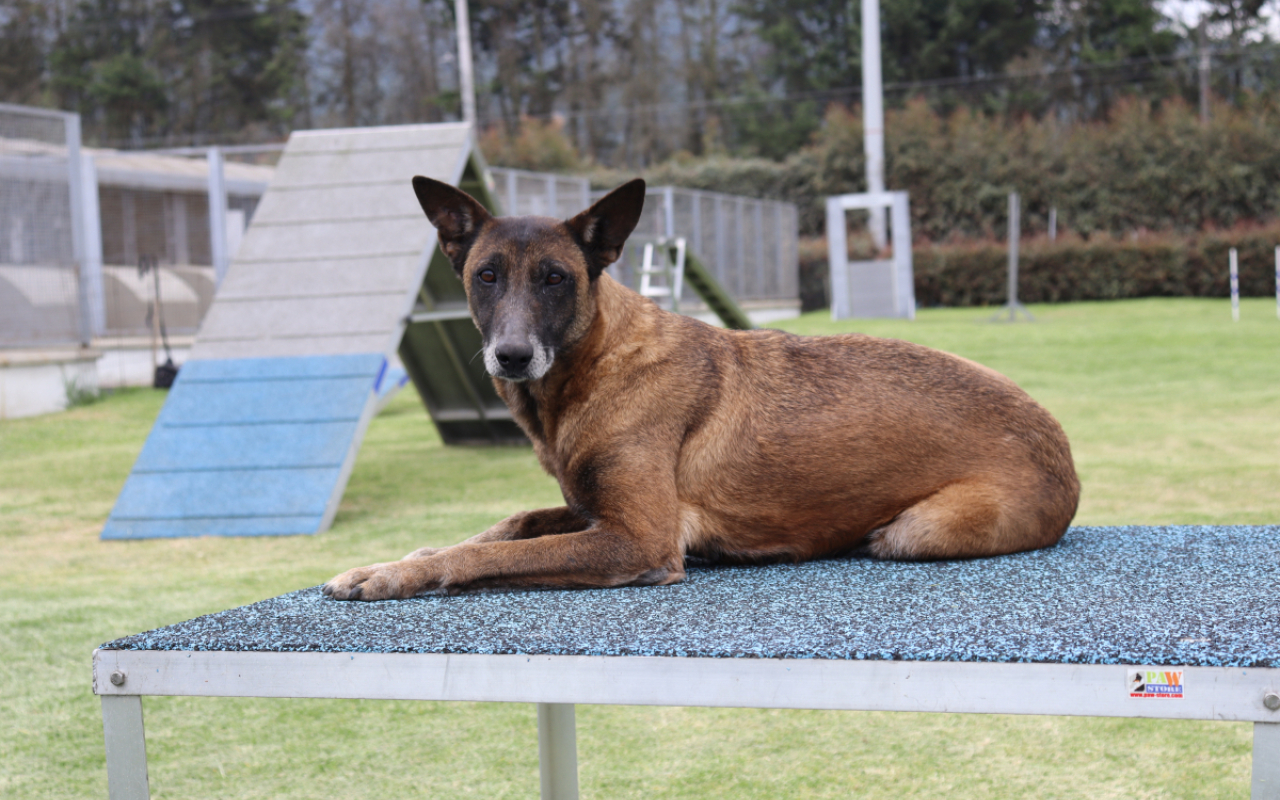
(1191, 596)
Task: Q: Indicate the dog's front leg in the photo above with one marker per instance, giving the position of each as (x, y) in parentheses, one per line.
(525, 525)
(634, 540)
(595, 558)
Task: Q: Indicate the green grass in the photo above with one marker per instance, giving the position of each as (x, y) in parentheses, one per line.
(1172, 412)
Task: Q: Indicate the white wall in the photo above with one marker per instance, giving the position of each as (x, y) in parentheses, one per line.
(34, 383)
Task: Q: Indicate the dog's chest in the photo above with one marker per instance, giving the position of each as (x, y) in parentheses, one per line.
(540, 422)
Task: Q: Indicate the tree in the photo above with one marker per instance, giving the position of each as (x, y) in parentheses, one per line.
(814, 48)
(930, 39)
(1240, 17)
(1100, 40)
(347, 61)
(130, 94)
(100, 68)
(231, 63)
(24, 29)
(147, 69)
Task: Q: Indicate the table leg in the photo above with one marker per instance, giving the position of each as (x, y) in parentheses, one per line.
(126, 747)
(1266, 761)
(557, 751)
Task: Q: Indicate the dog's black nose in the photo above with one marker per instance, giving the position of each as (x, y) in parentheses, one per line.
(514, 355)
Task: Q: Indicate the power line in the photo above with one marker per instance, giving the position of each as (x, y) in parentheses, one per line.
(853, 92)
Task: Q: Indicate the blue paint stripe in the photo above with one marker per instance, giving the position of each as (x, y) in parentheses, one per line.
(212, 526)
(171, 426)
(266, 445)
(226, 493)
(266, 401)
(285, 367)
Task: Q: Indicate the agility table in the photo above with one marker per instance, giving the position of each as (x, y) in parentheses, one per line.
(1175, 623)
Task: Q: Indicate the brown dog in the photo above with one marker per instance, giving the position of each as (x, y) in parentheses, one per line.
(671, 437)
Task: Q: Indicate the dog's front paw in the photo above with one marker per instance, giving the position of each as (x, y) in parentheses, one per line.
(375, 582)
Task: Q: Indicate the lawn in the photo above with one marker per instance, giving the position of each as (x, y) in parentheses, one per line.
(1173, 415)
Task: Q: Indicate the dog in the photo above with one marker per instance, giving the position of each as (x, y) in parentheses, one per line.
(672, 438)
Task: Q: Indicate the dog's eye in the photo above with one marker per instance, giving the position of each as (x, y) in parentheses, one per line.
(554, 278)
(488, 275)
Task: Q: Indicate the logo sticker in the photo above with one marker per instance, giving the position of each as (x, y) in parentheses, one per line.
(1157, 684)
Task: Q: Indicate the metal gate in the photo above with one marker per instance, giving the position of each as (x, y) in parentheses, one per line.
(44, 299)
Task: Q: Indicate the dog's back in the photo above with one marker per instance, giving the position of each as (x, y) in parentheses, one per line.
(790, 446)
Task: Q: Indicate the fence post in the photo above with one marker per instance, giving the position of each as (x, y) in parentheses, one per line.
(91, 265)
(75, 198)
(697, 224)
(779, 266)
(669, 212)
(903, 263)
(740, 236)
(722, 244)
(837, 258)
(758, 213)
(1015, 238)
(1235, 286)
(217, 216)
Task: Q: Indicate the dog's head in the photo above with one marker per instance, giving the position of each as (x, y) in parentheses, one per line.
(530, 281)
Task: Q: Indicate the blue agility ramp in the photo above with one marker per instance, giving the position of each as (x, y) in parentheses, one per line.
(249, 447)
(262, 427)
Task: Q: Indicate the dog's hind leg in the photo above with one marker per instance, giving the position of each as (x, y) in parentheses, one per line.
(966, 519)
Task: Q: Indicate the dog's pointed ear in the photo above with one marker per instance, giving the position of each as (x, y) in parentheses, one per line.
(603, 229)
(458, 217)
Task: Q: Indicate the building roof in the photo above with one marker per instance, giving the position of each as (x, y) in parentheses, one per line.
(137, 169)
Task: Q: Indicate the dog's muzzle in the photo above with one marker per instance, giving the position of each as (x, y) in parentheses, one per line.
(517, 359)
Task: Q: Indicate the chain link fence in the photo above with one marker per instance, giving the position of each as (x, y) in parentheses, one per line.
(40, 229)
(750, 245)
(155, 212)
(89, 239)
(539, 193)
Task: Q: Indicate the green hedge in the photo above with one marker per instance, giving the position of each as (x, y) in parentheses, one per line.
(1073, 269)
(1145, 168)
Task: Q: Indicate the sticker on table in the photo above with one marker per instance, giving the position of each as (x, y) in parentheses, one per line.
(1156, 684)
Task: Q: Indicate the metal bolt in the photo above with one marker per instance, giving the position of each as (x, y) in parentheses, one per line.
(117, 679)
(1271, 700)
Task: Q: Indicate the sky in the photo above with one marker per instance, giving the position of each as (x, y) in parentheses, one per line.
(1189, 12)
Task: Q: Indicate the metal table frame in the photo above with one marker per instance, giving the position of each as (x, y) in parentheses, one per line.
(556, 683)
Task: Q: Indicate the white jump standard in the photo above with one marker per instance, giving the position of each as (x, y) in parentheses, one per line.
(1175, 623)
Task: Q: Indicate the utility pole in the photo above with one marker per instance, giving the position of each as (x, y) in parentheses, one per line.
(873, 114)
(466, 79)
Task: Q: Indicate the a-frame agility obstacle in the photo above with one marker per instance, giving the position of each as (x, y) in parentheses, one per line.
(339, 270)
(261, 429)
